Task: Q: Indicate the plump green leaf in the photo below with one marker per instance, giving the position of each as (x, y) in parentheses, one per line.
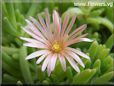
(69, 73)
(103, 54)
(96, 12)
(93, 50)
(88, 64)
(9, 79)
(109, 42)
(32, 9)
(9, 27)
(40, 75)
(10, 70)
(97, 66)
(107, 64)
(73, 11)
(11, 13)
(6, 58)
(106, 23)
(24, 66)
(9, 50)
(103, 21)
(104, 78)
(20, 17)
(84, 77)
(57, 73)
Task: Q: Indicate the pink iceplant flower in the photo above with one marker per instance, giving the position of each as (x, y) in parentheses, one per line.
(53, 43)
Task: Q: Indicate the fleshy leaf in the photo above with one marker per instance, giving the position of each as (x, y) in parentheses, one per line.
(93, 50)
(24, 66)
(104, 78)
(84, 77)
(69, 73)
(97, 66)
(109, 42)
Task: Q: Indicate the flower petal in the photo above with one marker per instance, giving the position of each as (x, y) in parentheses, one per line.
(62, 61)
(53, 61)
(31, 40)
(86, 39)
(73, 55)
(28, 39)
(41, 28)
(46, 61)
(34, 36)
(56, 21)
(40, 59)
(48, 22)
(70, 25)
(35, 45)
(77, 31)
(49, 68)
(75, 40)
(37, 53)
(79, 53)
(65, 22)
(72, 62)
(33, 28)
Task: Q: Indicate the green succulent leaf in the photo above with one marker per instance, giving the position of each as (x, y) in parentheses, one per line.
(97, 65)
(11, 13)
(96, 12)
(24, 66)
(93, 50)
(84, 77)
(9, 27)
(10, 79)
(109, 42)
(73, 11)
(103, 21)
(104, 78)
(69, 73)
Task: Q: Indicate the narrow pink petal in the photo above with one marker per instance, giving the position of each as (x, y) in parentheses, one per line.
(72, 62)
(46, 33)
(47, 18)
(48, 23)
(28, 39)
(46, 61)
(86, 39)
(36, 45)
(65, 23)
(56, 21)
(49, 69)
(79, 40)
(35, 36)
(42, 29)
(37, 53)
(77, 31)
(73, 55)
(70, 25)
(40, 59)
(79, 53)
(34, 42)
(75, 40)
(33, 28)
(62, 61)
(42, 22)
(37, 24)
(53, 61)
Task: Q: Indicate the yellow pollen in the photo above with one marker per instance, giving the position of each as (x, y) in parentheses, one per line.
(56, 47)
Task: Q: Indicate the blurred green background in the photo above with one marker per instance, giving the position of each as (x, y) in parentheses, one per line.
(99, 20)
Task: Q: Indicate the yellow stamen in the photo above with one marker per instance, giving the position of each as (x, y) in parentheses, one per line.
(56, 47)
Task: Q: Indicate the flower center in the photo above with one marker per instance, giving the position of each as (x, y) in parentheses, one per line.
(56, 47)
